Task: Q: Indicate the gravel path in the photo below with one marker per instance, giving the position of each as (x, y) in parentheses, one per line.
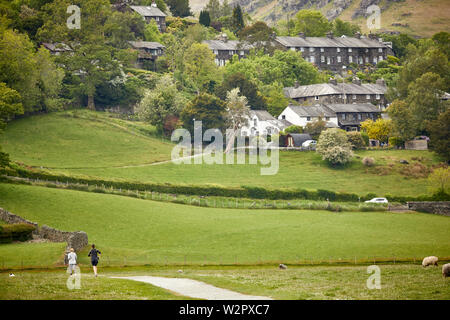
(194, 288)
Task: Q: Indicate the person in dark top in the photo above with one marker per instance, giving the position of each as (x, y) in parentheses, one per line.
(94, 258)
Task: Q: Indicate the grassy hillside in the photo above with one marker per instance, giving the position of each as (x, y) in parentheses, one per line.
(87, 143)
(82, 139)
(129, 230)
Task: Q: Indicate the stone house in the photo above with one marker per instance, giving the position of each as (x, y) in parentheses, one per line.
(225, 49)
(148, 51)
(333, 92)
(337, 53)
(345, 116)
(261, 122)
(56, 48)
(152, 12)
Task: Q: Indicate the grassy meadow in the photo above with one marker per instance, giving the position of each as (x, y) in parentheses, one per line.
(309, 283)
(135, 231)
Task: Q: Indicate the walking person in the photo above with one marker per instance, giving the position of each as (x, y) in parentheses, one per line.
(72, 257)
(94, 254)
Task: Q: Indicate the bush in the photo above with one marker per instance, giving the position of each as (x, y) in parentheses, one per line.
(16, 232)
(334, 147)
(396, 142)
(293, 129)
(365, 137)
(368, 161)
(356, 140)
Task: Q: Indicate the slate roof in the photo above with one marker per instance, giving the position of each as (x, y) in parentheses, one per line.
(262, 115)
(312, 111)
(335, 42)
(322, 89)
(56, 47)
(146, 45)
(352, 107)
(148, 11)
(228, 45)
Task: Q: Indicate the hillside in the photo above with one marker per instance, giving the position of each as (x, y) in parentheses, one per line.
(415, 17)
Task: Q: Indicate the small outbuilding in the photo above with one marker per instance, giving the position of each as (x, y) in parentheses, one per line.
(295, 140)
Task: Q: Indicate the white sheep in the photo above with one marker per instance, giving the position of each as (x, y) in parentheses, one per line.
(446, 270)
(428, 261)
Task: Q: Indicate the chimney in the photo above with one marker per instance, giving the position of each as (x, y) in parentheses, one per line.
(358, 35)
(224, 37)
(330, 35)
(297, 84)
(372, 36)
(332, 81)
(381, 82)
(154, 5)
(301, 35)
(357, 81)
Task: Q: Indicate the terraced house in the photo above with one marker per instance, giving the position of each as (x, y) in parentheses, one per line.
(225, 49)
(337, 53)
(333, 92)
(152, 13)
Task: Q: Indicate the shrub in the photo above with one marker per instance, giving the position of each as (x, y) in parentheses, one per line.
(396, 142)
(365, 137)
(293, 129)
(368, 161)
(16, 232)
(356, 140)
(334, 147)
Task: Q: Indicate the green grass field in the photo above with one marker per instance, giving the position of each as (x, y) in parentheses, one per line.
(88, 143)
(134, 231)
(315, 283)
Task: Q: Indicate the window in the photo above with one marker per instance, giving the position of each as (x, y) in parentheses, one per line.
(217, 61)
(338, 49)
(378, 96)
(368, 96)
(354, 96)
(322, 50)
(283, 117)
(350, 59)
(312, 49)
(157, 18)
(375, 60)
(312, 59)
(367, 59)
(367, 50)
(322, 59)
(380, 58)
(380, 50)
(216, 52)
(349, 49)
(292, 48)
(343, 116)
(360, 60)
(339, 59)
(242, 52)
(328, 60)
(359, 116)
(302, 49)
(327, 118)
(231, 52)
(316, 98)
(308, 118)
(255, 122)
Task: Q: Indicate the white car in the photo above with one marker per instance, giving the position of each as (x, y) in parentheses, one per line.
(309, 144)
(377, 200)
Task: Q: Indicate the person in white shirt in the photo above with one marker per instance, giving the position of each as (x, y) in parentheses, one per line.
(72, 257)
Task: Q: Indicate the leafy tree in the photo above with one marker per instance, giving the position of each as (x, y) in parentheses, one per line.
(200, 65)
(439, 131)
(237, 19)
(206, 108)
(399, 43)
(442, 39)
(341, 28)
(226, 8)
(123, 27)
(214, 9)
(356, 140)
(315, 128)
(161, 102)
(334, 147)
(179, 8)
(237, 114)
(18, 68)
(312, 23)
(378, 130)
(152, 33)
(275, 98)
(246, 87)
(424, 99)
(293, 129)
(204, 18)
(402, 120)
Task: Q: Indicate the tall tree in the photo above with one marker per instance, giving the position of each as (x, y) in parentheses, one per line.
(312, 23)
(237, 19)
(200, 65)
(204, 18)
(237, 115)
(213, 7)
(179, 8)
(439, 131)
(341, 28)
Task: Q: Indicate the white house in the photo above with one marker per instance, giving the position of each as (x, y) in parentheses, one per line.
(302, 115)
(262, 122)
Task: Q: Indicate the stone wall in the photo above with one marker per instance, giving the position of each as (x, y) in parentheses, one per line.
(77, 240)
(416, 145)
(436, 207)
